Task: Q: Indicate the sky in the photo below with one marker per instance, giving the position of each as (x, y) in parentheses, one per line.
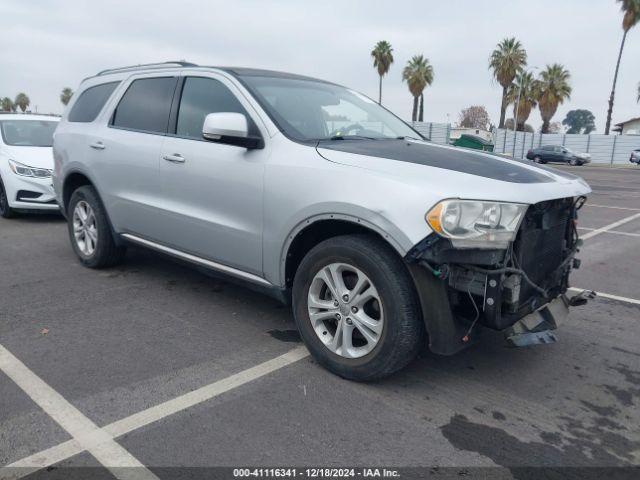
(51, 44)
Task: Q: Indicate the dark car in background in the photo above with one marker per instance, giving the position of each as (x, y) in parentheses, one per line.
(557, 154)
(635, 157)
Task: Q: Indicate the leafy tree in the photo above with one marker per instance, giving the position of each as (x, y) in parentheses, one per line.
(475, 116)
(631, 10)
(382, 55)
(66, 95)
(523, 94)
(508, 58)
(553, 90)
(7, 104)
(418, 74)
(580, 121)
(22, 101)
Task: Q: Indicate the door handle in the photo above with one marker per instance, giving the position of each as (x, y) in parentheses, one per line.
(175, 158)
(97, 145)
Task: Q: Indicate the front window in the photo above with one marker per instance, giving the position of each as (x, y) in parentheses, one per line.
(28, 133)
(308, 110)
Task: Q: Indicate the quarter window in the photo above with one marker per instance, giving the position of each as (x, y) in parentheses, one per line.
(90, 102)
(200, 97)
(146, 105)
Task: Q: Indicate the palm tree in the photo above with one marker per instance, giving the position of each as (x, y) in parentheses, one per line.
(382, 55)
(66, 95)
(22, 101)
(631, 9)
(553, 90)
(418, 74)
(638, 92)
(523, 94)
(506, 61)
(6, 104)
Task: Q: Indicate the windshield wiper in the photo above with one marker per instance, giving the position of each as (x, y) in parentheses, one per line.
(408, 138)
(350, 137)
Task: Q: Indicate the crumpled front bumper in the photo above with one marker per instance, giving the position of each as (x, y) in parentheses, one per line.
(519, 291)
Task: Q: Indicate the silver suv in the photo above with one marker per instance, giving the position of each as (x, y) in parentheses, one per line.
(312, 192)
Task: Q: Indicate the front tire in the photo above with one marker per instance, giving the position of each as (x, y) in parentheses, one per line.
(356, 308)
(5, 210)
(90, 231)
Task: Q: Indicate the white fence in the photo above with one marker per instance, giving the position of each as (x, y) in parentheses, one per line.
(436, 132)
(607, 149)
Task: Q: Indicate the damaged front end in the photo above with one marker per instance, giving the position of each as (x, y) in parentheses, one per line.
(519, 290)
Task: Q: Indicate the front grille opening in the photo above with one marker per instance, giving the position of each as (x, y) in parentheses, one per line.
(26, 195)
(543, 242)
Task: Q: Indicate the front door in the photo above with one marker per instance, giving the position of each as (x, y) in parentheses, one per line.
(213, 193)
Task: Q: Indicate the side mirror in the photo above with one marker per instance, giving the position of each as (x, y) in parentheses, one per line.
(230, 128)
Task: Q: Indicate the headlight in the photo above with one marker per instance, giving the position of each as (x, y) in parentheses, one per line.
(476, 224)
(25, 171)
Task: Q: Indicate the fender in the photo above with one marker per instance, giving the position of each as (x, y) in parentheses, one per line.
(395, 243)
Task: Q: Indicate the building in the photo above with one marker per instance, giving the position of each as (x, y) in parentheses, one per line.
(630, 127)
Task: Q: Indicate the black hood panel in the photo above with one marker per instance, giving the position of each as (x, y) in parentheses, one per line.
(459, 160)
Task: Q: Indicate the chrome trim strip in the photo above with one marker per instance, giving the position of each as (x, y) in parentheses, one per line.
(198, 260)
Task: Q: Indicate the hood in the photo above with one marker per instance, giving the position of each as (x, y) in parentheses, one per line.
(40, 157)
(454, 172)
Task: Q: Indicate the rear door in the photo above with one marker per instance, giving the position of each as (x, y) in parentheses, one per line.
(130, 146)
(213, 192)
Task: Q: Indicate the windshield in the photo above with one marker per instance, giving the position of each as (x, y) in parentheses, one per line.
(308, 110)
(28, 133)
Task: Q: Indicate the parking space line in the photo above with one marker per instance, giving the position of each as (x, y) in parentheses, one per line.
(615, 232)
(86, 433)
(158, 412)
(138, 420)
(611, 226)
(611, 206)
(609, 296)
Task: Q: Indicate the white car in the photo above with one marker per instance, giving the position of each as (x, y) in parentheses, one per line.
(26, 163)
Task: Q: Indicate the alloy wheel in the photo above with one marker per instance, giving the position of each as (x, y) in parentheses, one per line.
(85, 228)
(345, 310)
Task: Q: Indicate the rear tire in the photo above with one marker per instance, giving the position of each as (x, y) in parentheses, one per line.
(538, 160)
(5, 210)
(90, 231)
(366, 268)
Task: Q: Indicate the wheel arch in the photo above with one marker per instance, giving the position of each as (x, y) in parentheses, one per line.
(318, 228)
(76, 179)
(72, 181)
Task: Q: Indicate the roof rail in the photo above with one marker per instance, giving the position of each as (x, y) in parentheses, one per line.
(144, 66)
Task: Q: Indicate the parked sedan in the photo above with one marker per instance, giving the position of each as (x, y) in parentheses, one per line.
(26, 162)
(557, 154)
(635, 157)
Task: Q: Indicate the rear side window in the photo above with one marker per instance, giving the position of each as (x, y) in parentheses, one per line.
(201, 96)
(146, 105)
(90, 102)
